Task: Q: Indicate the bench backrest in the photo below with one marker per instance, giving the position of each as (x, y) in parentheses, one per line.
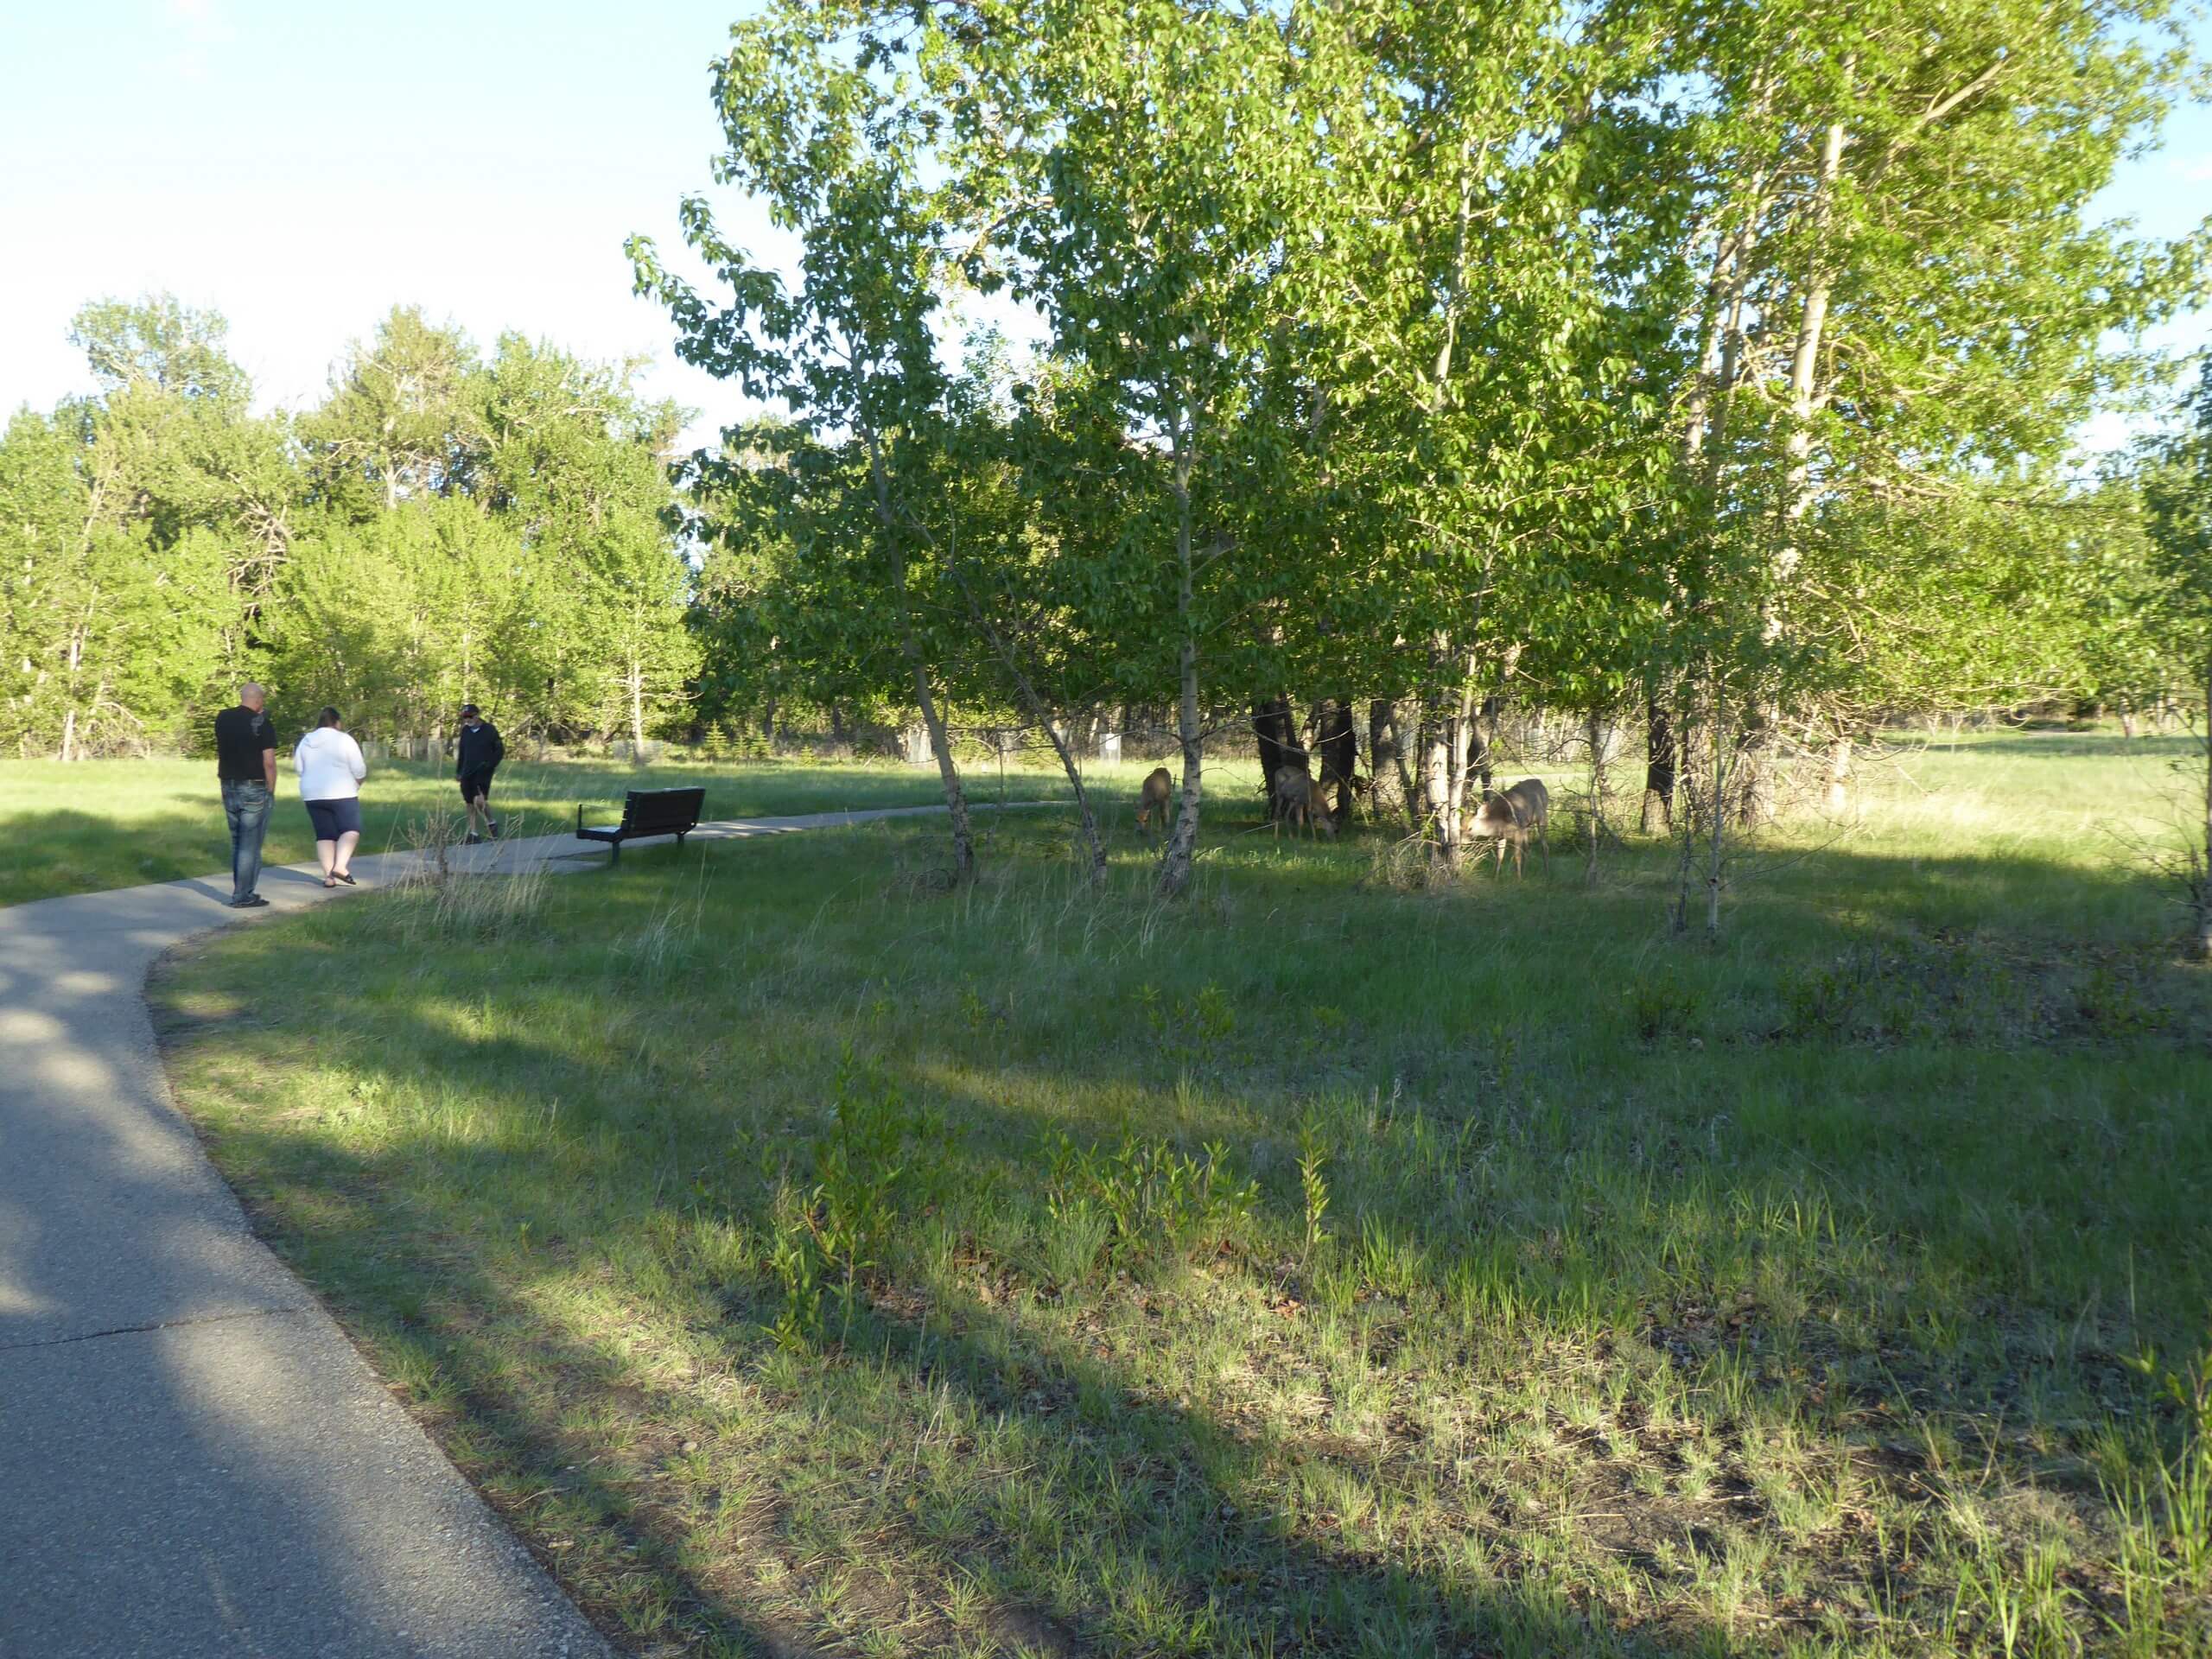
(652, 811)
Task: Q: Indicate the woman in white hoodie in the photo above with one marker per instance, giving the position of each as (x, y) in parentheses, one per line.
(331, 769)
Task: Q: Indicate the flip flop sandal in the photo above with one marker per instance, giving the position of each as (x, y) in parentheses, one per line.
(342, 876)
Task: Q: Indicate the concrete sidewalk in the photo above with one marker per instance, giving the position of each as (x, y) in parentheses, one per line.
(194, 1461)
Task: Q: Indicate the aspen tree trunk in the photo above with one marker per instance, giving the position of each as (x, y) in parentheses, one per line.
(1404, 760)
(1483, 722)
(1447, 728)
(1765, 725)
(1339, 747)
(1719, 325)
(1438, 759)
(1465, 734)
(1839, 774)
(69, 749)
(637, 682)
(1685, 821)
(1094, 848)
(1658, 811)
(1436, 786)
(910, 645)
(1182, 845)
(1443, 756)
(1718, 836)
(1715, 339)
(1598, 738)
(964, 837)
(1277, 740)
(1389, 756)
(1384, 753)
(1804, 363)
(1432, 756)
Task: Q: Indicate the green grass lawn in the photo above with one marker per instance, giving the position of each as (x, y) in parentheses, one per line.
(118, 823)
(807, 1261)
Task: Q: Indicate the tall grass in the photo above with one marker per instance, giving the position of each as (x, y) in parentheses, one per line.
(445, 896)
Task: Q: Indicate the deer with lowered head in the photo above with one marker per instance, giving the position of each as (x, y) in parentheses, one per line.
(1152, 799)
(1507, 817)
(1295, 803)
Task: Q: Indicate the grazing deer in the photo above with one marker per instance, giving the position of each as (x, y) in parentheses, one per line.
(1349, 787)
(1159, 788)
(1295, 804)
(1510, 816)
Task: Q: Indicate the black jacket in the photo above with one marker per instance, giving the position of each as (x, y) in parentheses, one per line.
(477, 751)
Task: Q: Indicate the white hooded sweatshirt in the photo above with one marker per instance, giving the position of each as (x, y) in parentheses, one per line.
(330, 765)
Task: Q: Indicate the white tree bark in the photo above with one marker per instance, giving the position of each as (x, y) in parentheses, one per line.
(1804, 361)
(1182, 845)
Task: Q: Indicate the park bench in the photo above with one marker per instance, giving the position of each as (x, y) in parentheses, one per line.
(646, 812)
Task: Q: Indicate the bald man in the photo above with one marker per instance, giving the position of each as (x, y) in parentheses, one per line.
(245, 762)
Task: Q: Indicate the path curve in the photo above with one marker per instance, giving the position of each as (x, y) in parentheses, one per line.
(193, 1460)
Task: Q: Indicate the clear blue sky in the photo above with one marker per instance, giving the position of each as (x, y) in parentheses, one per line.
(301, 168)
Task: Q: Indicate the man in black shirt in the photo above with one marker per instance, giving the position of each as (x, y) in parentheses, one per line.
(477, 754)
(245, 762)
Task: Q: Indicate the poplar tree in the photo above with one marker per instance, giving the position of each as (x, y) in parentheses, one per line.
(821, 126)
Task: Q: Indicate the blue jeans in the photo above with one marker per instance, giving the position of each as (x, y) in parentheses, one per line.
(246, 805)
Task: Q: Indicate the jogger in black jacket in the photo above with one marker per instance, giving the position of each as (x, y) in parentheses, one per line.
(477, 754)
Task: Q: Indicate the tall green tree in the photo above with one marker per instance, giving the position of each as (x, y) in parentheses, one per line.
(401, 421)
(575, 462)
(176, 501)
(820, 125)
(1145, 177)
(400, 619)
(1886, 271)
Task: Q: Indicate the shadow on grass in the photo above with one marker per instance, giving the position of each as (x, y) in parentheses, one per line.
(1079, 1515)
(1823, 1226)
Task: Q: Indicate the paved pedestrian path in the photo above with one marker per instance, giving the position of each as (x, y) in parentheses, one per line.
(194, 1461)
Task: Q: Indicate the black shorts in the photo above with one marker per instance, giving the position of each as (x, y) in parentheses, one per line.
(474, 784)
(334, 818)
